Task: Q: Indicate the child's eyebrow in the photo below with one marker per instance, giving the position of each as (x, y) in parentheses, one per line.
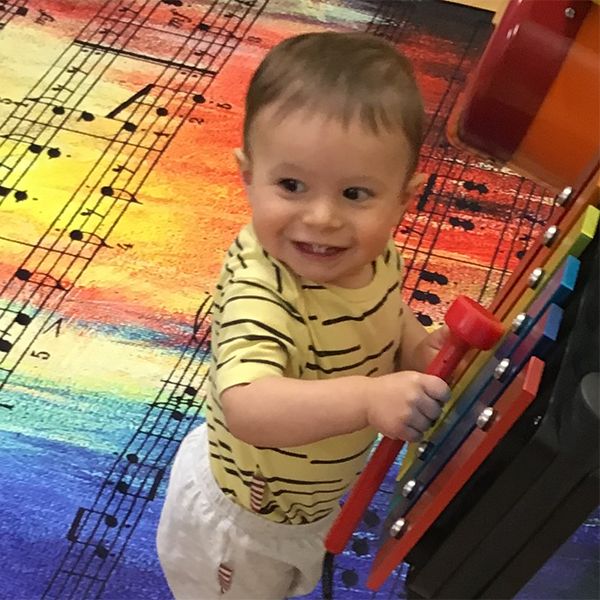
(363, 181)
(286, 166)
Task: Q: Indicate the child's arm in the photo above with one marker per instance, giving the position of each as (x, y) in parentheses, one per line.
(284, 412)
(419, 347)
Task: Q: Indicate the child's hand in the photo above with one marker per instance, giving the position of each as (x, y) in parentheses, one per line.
(404, 405)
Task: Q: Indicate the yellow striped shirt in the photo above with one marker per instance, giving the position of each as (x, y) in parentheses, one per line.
(268, 322)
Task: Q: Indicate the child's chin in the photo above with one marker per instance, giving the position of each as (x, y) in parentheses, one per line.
(343, 281)
(317, 277)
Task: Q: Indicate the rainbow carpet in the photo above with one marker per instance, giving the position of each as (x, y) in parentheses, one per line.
(118, 198)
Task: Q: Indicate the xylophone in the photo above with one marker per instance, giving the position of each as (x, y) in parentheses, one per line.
(511, 469)
(540, 482)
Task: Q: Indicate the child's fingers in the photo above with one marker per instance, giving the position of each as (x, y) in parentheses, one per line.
(419, 421)
(430, 408)
(410, 434)
(436, 388)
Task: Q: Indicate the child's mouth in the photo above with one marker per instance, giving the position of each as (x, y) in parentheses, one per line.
(318, 250)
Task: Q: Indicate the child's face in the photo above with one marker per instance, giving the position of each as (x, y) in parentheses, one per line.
(325, 198)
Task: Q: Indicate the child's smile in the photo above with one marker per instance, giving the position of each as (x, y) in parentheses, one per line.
(318, 250)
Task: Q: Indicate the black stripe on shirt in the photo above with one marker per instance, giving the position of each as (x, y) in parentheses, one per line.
(289, 307)
(254, 338)
(219, 422)
(273, 505)
(240, 475)
(278, 277)
(281, 451)
(223, 458)
(334, 352)
(231, 254)
(295, 504)
(263, 361)
(314, 367)
(277, 271)
(260, 325)
(300, 481)
(309, 493)
(286, 306)
(366, 313)
(323, 512)
(222, 364)
(340, 460)
(224, 445)
(269, 508)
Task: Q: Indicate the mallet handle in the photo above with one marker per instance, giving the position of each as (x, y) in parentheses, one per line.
(447, 359)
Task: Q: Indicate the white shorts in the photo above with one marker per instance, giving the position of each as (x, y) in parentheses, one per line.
(209, 547)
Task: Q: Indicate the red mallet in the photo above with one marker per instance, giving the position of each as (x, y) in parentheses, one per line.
(471, 326)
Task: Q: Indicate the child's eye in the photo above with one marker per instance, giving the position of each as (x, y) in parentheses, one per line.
(357, 193)
(291, 185)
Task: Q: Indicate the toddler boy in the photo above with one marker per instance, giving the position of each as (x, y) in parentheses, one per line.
(313, 350)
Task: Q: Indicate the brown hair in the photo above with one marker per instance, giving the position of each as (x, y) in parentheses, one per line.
(340, 74)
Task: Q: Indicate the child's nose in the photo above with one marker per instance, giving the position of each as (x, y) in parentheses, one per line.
(322, 212)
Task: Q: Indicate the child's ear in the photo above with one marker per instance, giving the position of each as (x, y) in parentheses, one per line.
(414, 185)
(243, 165)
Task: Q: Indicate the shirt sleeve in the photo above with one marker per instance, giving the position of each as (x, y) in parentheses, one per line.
(252, 335)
